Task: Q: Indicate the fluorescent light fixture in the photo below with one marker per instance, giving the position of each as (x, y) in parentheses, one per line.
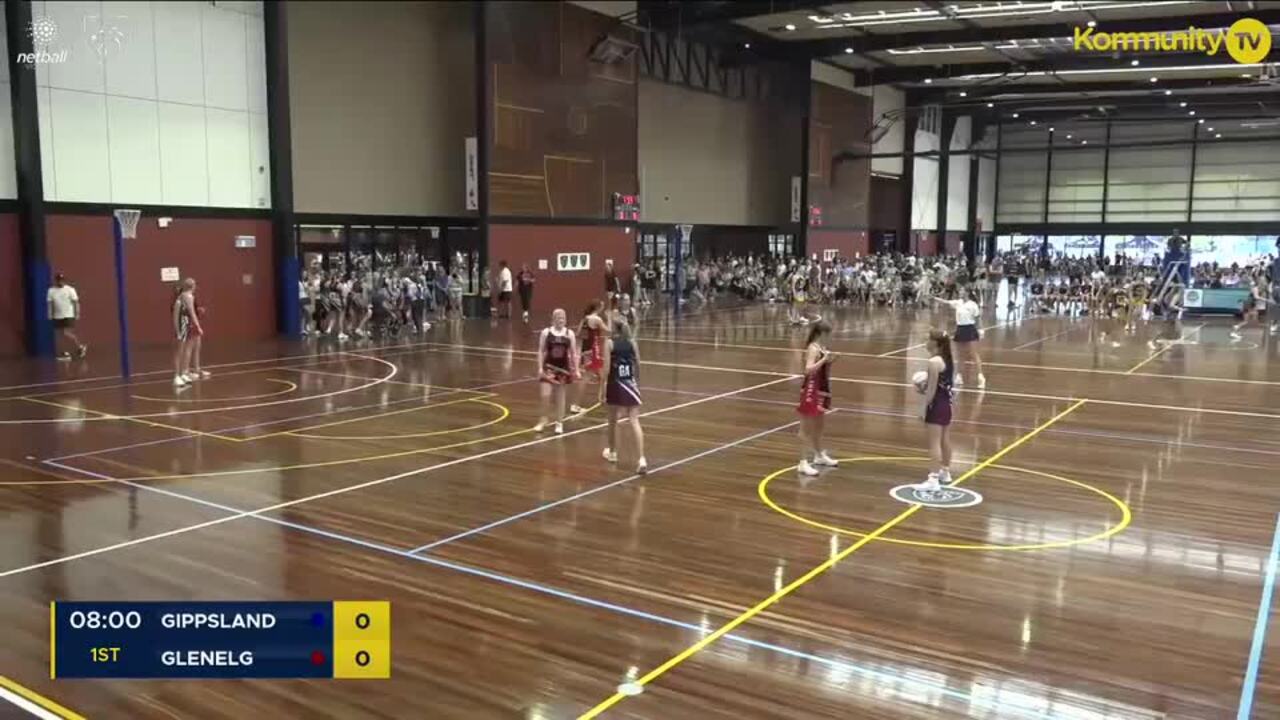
(1050, 129)
(848, 51)
(964, 94)
(1134, 62)
(1092, 23)
(1168, 92)
(991, 104)
(1111, 71)
(746, 45)
(1155, 79)
(1201, 121)
(1033, 122)
(1182, 104)
(1015, 115)
(790, 27)
(1218, 135)
(1192, 112)
(1210, 129)
(1084, 142)
(928, 81)
(1068, 136)
(968, 12)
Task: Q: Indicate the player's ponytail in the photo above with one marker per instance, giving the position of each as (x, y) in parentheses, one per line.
(943, 342)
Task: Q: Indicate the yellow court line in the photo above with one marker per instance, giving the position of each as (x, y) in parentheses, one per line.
(285, 468)
(487, 351)
(831, 562)
(289, 387)
(149, 423)
(1126, 514)
(1087, 371)
(40, 700)
(362, 418)
(503, 413)
(1160, 352)
(799, 582)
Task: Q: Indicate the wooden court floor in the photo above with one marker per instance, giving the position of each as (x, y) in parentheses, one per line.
(1114, 569)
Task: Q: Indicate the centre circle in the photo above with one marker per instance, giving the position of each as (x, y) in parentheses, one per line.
(1126, 515)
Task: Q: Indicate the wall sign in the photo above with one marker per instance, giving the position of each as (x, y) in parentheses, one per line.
(542, 263)
(473, 173)
(246, 241)
(169, 274)
(573, 262)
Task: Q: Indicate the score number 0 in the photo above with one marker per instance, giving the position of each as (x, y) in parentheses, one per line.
(362, 640)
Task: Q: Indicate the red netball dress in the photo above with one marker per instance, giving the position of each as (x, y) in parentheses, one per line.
(592, 358)
(815, 394)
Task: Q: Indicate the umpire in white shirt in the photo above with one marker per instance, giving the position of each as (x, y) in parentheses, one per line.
(64, 310)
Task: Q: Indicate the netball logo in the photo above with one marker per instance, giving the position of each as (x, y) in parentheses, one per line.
(944, 497)
(43, 32)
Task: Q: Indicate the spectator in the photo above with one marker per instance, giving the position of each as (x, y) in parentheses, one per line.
(64, 310)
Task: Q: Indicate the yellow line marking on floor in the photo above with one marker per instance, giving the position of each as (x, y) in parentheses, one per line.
(38, 699)
(1167, 346)
(1126, 514)
(503, 413)
(99, 415)
(1052, 368)
(289, 387)
(799, 582)
(486, 351)
(301, 466)
(251, 406)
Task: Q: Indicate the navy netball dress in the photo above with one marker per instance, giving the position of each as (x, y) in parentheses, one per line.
(939, 410)
(621, 389)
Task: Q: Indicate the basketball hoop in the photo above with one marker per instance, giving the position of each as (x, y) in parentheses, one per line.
(128, 220)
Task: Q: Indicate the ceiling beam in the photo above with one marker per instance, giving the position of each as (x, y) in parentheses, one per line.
(971, 35)
(670, 15)
(1071, 91)
(1092, 61)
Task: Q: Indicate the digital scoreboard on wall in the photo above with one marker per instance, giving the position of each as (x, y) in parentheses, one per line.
(208, 640)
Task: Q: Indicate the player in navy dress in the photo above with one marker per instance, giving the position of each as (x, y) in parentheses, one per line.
(815, 399)
(621, 371)
(935, 409)
(557, 367)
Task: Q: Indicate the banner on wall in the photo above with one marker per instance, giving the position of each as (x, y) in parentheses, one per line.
(795, 198)
(473, 174)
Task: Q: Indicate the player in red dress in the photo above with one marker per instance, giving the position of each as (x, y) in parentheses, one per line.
(592, 332)
(815, 399)
(557, 367)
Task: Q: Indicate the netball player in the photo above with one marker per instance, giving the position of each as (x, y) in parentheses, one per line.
(935, 410)
(197, 340)
(622, 394)
(967, 335)
(186, 325)
(592, 332)
(557, 367)
(798, 298)
(815, 399)
(1253, 303)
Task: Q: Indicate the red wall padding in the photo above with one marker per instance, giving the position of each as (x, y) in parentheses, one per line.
(80, 246)
(518, 244)
(11, 305)
(847, 243)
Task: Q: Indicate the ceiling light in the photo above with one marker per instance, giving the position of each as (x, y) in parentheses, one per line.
(1201, 121)
(1155, 79)
(964, 94)
(848, 51)
(1015, 115)
(1092, 23)
(1168, 92)
(746, 45)
(991, 104)
(1218, 135)
(1033, 122)
(1210, 129)
(790, 26)
(1192, 112)
(1068, 136)
(928, 81)
(1245, 75)
(1134, 62)
(1051, 129)
(1084, 142)
(1182, 104)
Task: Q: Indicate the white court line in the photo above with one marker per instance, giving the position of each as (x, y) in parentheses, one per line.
(370, 483)
(601, 488)
(175, 413)
(891, 353)
(25, 704)
(1044, 339)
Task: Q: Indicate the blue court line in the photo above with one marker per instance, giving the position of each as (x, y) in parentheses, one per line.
(891, 678)
(185, 436)
(601, 488)
(1249, 686)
